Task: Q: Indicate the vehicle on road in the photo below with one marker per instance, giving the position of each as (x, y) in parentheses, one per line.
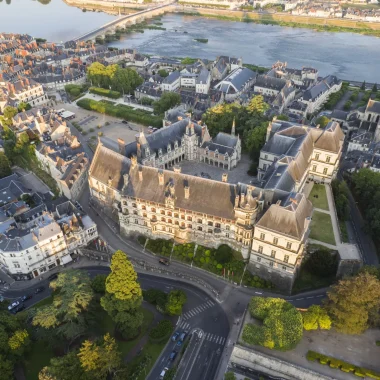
(179, 343)
(18, 309)
(125, 122)
(183, 336)
(26, 297)
(13, 305)
(172, 355)
(162, 375)
(175, 336)
(40, 289)
(164, 261)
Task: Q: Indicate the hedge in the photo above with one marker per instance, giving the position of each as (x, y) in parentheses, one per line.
(342, 365)
(121, 111)
(163, 329)
(103, 92)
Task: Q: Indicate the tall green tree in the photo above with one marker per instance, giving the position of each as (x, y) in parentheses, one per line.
(374, 88)
(67, 314)
(175, 301)
(123, 296)
(125, 80)
(254, 140)
(322, 121)
(8, 114)
(5, 166)
(229, 376)
(168, 100)
(352, 301)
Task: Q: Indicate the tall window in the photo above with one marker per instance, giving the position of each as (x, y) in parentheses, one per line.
(262, 236)
(288, 245)
(275, 241)
(317, 156)
(325, 171)
(273, 254)
(286, 258)
(260, 249)
(328, 158)
(314, 169)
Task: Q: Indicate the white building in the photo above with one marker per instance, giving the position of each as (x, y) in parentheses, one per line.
(172, 82)
(202, 85)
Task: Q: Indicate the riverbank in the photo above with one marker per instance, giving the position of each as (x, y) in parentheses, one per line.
(112, 8)
(287, 20)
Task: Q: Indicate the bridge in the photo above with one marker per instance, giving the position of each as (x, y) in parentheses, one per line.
(123, 21)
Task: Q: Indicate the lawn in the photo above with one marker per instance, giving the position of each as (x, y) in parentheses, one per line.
(38, 357)
(318, 197)
(321, 228)
(344, 232)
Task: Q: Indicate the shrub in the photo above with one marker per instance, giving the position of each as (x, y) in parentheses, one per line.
(100, 134)
(103, 92)
(282, 323)
(141, 239)
(91, 129)
(223, 254)
(161, 331)
(322, 263)
(155, 297)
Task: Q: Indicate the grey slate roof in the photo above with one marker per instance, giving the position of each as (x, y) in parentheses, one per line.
(373, 106)
(270, 82)
(172, 77)
(236, 80)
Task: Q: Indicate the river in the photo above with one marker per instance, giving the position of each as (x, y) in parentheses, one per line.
(346, 55)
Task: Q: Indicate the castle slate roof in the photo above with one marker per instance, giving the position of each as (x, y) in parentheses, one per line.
(373, 106)
(206, 196)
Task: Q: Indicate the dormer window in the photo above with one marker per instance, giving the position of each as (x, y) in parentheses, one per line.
(175, 144)
(160, 152)
(147, 152)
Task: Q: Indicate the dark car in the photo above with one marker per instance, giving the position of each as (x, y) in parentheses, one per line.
(26, 297)
(125, 122)
(40, 289)
(175, 336)
(164, 261)
(18, 309)
(172, 355)
(53, 276)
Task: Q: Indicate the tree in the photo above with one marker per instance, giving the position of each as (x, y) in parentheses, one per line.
(125, 80)
(352, 301)
(316, 317)
(98, 283)
(254, 141)
(6, 368)
(23, 107)
(322, 263)
(176, 300)
(283, 117)
(167, 101)
(229, 376)
(8, 114)
(322, 121)
(5, 166)
(257, 105)
(123, 296)
(282, 326)
(67, 312)
(363, 86)
(374, 88)
(223, 254)
(163, 73)
(19, 340)
(100, 359)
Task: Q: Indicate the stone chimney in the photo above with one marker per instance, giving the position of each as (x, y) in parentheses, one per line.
(121, 143)
(187, 189)
(126, 181)
(224, 177)
(133, 161)
(242, 198)
(237, 200)
(177, 169)
(140, 174)
(160, 178)
(109, 181)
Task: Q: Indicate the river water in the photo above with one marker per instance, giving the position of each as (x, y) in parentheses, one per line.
(347, 55)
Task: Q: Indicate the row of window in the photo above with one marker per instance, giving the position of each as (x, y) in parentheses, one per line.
(271, 263)
(328, 158)
(314, 169)
(275, 241)
(273, 254)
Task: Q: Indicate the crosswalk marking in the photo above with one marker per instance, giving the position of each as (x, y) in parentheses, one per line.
(199, 309)
(214, 338)
(185, 326)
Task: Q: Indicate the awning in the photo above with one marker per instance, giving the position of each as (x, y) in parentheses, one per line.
(66, 259)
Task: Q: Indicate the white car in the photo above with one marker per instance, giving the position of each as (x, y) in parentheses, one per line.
(13, 305)
(162, 375)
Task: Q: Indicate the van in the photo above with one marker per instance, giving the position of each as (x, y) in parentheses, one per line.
(182, 336)
(162, 375)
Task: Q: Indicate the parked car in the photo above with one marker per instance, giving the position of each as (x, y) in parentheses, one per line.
(162, 374)
(164, 261)
(175, 336)
(26, 297)
(13, 305)
(18, 309)
(172, 355)
(40, 289)
(183, 336)
(179, 343)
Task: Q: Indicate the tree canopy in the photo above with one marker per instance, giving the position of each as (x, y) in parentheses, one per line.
(5, 166)
(282, 326)
(322, 262)
(353, 301)
(322, 121)
(175, 301)
(113, 77)
(66, 313)
(168, 100)
(123, 295)
(316, 317)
